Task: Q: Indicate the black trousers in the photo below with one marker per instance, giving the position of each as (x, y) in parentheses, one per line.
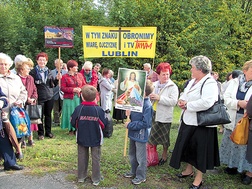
(47, 107)
(6, 150)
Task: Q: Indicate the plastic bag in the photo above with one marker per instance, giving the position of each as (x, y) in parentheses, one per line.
(20, 121)
(152, 155)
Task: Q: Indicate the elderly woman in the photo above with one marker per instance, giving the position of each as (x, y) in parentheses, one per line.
(164, 97)
(195, 145)
(90, 76)
(71, 84)
(236, 97)
(14, 90)
(106, 87)
(44, 83)
(23, 70)
(57, 106)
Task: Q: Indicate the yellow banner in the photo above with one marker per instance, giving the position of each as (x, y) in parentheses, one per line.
(134, 42)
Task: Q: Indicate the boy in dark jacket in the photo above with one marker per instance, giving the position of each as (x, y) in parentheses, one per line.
(138, 134)
(89, 120)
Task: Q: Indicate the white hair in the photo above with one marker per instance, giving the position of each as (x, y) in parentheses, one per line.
(6, 58)
(147, 65)
(20, 58)
(111, 73)
(58, 60)
(87, 65)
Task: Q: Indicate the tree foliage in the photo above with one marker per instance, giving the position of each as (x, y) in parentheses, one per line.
(219, 29)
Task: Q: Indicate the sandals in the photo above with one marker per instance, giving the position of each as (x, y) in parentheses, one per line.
(162, 161)
(180, 175)
(30, 143)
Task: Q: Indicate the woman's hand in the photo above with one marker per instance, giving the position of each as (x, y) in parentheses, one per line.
(182, 104)
(18, 103)
(154, 97)
(242, 103)
(77, 90)
(31, 100)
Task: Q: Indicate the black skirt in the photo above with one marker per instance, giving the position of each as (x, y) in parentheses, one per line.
(197, 146)
(118, 114)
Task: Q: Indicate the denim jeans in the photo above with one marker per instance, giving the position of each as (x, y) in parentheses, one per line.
(138, 159)
(83, 158)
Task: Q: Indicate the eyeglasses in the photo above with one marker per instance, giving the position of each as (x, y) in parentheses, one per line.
(87, 70)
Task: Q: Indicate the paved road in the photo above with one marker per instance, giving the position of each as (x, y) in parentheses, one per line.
(21, 180)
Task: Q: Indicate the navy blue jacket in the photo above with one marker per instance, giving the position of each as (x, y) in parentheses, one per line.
(89, 120)
(3, 98)
(140, 122)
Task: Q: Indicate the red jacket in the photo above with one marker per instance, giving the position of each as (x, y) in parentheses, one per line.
(94, 79)
(30, 87)
(69, 82)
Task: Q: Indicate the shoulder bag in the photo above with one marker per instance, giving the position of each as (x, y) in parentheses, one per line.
(216, 115)
(241, 131)
(34, 111)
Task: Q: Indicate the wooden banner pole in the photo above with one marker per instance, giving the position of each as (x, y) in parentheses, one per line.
(59, 69)
(126, 139)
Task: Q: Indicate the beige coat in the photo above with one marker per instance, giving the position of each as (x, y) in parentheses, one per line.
(168, 99)
(14, 89)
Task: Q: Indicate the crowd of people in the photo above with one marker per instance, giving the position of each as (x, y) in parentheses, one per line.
(71, 96)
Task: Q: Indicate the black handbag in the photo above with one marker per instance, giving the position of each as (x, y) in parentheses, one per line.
(216, 115)
(34, 111)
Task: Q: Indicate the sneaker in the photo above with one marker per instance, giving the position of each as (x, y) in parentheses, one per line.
(81, 180)
(98, 182)
(30, 143)
(129, 175)
(23, 144)
(137, 181)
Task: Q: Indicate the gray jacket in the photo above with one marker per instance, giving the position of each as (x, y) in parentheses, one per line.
(56, 89)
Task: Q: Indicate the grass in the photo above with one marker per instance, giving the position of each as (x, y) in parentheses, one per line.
(60, 154)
